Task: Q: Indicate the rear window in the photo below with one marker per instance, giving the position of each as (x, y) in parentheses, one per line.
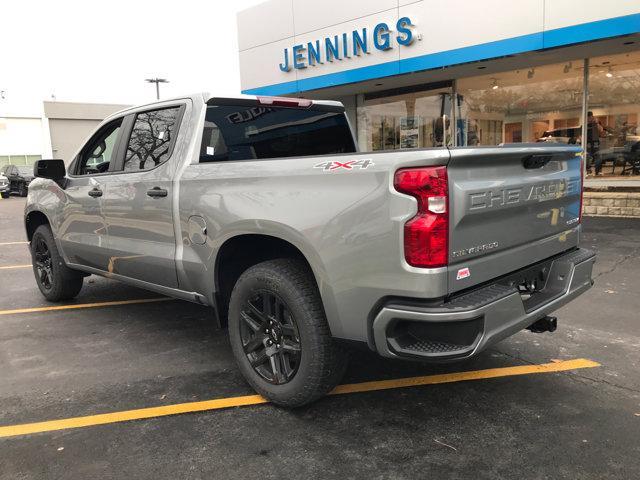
(259, 132)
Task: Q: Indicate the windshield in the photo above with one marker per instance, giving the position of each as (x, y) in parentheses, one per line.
(25, 170)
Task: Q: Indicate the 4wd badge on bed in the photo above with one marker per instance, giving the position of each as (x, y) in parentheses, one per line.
(330, 166)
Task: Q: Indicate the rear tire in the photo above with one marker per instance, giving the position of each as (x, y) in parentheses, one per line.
(279, 334)
(23, 191)
(6, 194)
(55, 280)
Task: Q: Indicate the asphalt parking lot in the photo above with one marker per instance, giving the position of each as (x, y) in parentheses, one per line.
(498, 416)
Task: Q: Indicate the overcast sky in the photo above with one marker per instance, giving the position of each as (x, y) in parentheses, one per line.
(102, 50)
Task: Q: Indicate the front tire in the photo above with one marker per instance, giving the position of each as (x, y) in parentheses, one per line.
(55, 280)
(279, 334)
(6, 194)
(23, 191)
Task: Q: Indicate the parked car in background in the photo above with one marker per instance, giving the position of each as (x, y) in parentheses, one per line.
(4, 186)
(571, 135)
(19, 177)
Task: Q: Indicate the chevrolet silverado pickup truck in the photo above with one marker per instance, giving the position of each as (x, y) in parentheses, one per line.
(262, 208)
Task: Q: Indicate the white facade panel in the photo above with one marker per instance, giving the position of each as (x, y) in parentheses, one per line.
(259, 66)
(469, 25)
(310, 16)
(21, 136)
(564, 13)
(265, 23)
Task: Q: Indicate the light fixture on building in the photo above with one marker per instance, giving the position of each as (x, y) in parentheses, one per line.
(609, 74)
(494, 84)
(531, 73)
(567, 68)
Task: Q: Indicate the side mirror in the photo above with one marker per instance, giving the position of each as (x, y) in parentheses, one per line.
(52, 169)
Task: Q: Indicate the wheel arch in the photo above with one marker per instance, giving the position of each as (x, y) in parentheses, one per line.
(240, 252)
(33, 220)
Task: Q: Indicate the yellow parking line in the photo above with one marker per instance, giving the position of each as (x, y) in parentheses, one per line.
(84, 305)
(10, 267)
(12, 243)
(217, 404)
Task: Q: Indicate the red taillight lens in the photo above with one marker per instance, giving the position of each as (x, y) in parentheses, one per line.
(426, 236)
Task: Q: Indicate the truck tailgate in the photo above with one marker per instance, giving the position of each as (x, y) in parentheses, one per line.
(509, 207)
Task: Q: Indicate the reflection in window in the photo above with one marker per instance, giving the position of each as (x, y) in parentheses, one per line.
(151, 139)
(411, 120)
(613, 134)
(247, 133)
(528, 105)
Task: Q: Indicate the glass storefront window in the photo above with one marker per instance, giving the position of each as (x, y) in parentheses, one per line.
(613, 134)
(410, 120)
(529, 105)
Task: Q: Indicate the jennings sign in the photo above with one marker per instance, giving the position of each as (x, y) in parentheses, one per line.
(348, 44)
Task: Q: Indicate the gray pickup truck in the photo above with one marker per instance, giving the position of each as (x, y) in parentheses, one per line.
(263, 209)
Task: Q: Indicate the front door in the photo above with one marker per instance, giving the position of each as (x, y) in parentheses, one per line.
(138, 200)
(82, 230)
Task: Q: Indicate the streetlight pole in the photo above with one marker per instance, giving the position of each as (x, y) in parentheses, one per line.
(157, 81)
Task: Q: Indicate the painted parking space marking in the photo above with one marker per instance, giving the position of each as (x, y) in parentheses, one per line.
(84, 305)
(11, 267)
(12, 243)
(223, 403)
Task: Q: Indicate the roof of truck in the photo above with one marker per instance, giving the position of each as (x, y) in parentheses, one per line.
(206, 97)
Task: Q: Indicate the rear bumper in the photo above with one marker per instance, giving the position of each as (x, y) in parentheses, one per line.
(4, 188)
(473, 321)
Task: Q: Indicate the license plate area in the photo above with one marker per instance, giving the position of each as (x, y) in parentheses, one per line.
(540, 283)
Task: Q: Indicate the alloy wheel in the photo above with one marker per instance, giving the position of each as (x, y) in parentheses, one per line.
(43, 263)
(270, 337)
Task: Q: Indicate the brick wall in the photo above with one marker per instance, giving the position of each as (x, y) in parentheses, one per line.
(612, 204)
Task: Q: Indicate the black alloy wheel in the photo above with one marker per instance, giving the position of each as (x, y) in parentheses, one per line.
(270, 337)
(43, 263)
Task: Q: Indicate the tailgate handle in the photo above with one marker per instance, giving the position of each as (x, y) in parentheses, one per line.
(536, 161)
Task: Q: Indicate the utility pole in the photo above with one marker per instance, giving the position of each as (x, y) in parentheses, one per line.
(157, 81)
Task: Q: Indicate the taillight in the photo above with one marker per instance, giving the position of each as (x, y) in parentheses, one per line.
(426, 236)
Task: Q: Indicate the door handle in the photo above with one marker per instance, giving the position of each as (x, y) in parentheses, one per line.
(157, 192)
(96, 192)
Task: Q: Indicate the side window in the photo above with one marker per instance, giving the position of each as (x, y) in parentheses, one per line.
(151, 139)
(98, 154)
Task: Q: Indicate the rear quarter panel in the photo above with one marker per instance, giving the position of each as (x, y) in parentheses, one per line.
(347, 222)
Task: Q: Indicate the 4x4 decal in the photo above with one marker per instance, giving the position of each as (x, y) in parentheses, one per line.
(329, 166)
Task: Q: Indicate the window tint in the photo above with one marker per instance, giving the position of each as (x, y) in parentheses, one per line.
(151, 139)
(242, 133)
(97, 156)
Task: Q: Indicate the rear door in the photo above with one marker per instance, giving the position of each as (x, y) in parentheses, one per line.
(138, 200)
(510, 206)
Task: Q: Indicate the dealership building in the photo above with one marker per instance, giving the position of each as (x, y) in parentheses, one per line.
(430, 73)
